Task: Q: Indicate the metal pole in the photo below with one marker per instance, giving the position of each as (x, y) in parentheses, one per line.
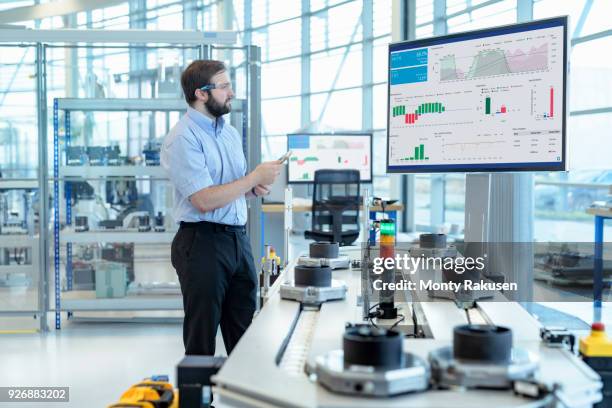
(365, 254)
(288, 219)
(253, 141)
(43, 186)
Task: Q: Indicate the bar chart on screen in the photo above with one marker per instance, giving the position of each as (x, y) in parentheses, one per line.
(477, 100)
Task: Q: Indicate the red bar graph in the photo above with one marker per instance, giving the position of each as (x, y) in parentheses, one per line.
(503, 109)
(552, 97)
(410, 118)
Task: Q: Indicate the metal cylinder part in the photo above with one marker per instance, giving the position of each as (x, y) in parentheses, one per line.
(328, 250)
(370, 346)
(320, 276)
(483, 343)
(432, 241)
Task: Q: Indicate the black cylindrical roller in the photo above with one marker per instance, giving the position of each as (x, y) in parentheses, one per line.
(432, 241)
(371, 346)
(320, 276)
(327, 250)
(491, 344)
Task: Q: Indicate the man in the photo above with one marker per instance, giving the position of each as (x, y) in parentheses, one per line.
(211, 253)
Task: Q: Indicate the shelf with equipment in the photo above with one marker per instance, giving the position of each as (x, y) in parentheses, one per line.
(91, 237)
(86, 301)
(142, 78)
(92, 172)
(74, 171)
(19, 249)
(18, 184)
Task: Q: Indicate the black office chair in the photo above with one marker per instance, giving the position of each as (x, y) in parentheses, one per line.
(335, 205)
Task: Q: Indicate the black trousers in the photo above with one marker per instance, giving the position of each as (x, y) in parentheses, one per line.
(218, 280)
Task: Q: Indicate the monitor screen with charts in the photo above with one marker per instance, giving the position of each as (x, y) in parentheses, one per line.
(312, 152)
(481, 101)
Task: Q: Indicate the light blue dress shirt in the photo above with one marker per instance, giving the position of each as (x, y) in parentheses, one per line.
(199, 152)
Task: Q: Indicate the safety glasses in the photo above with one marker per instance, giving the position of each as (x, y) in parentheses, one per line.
(224, 86)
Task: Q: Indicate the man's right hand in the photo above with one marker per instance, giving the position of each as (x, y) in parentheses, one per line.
(266, 172)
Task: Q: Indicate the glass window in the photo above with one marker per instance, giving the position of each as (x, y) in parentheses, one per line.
(18, 116)
(424, 12)
(260, 10)
(381, 59)
(281, 79)
(280, 116)
(561, 198)
(379, 148)
(336, 26)
(346, 71)
(282, 9)
(342, 111)
(425, 31)
(500, 13)
(591, 75)
(320, 4)
(380, 107)
(454, 202)
(584, 133)
(422, 202)
(382, 17)
(274, 146)
(286, 38)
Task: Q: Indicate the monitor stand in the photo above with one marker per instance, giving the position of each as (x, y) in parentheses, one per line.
(499, 208)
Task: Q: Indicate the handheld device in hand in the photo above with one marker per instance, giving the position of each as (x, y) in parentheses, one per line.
(285, 156)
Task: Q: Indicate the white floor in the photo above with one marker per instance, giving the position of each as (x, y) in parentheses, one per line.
(98, 361)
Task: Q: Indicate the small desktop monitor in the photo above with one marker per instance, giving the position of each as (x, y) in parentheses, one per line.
(480, 101)
(342, 151)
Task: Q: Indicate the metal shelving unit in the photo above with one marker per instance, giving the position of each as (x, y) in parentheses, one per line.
(192, 43)
(87, 301)
(18, 240)
(91, 237)
(18, 184)
(92, 172)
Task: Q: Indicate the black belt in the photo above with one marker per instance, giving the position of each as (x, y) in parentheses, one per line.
(213, 226)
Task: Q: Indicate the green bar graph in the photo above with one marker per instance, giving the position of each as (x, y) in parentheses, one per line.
(399, 110)
(419, 154)
(487, 105)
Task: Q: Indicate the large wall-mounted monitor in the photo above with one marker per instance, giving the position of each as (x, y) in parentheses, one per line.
(314, 151)
(480, 101)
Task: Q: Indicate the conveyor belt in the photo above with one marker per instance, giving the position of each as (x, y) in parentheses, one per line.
(293, 359)
(254, 376)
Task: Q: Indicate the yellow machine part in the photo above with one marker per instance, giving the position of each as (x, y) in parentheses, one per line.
(149, 394)
(597, 344)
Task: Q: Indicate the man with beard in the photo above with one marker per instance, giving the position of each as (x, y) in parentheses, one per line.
(211, 253)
